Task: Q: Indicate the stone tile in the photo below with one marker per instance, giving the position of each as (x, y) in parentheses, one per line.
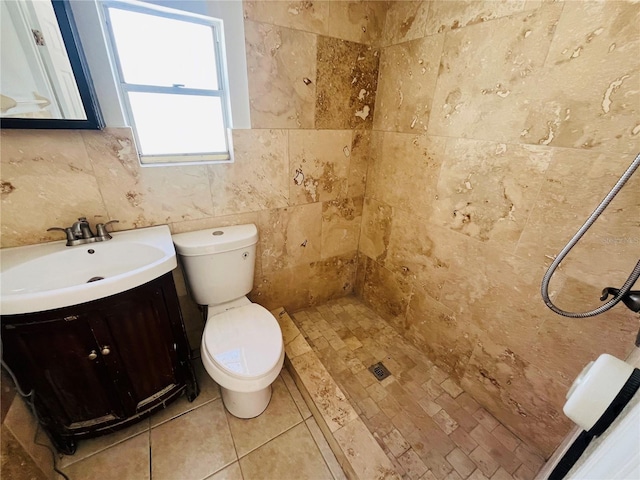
(141, 197)
(530, 459)
(205, 443)
(531, 405)
(319, 162)
(333, 406)
(23, 427)
(461, 462)
(280, 416)
(503, 54)
(477, 475)
(16, 462)
(281, 64)
(486, 419)
(412, 464)
(462, 418)
(463, 440)
(369, 407)
(331, 278)
(346, 84)
(92, 446)
(446, 16)
(368, 460)
(257, 179)
(405, 21)
(357, 21)
(408, 74)
(445, 422)
(290, 236)
(209, 390)
(485, 462)
(600, 109)
(379, 424)
(341, 226)
(490, 188)
(396, 443)
(376, 229)
(437, 464)
(232, 472)
(505, 437)
(501, 474)
(295, 394)
(359, 163)
(387, 292)
(433, 388)
(452, 388)
(405, 169)
(51, 176)
(429, 406)
(468, 403)
(310, 17)
(523, 473)
(303, 457)
(325, 450)
(129, 459)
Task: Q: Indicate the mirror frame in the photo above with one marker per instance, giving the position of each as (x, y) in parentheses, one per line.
(83, 80)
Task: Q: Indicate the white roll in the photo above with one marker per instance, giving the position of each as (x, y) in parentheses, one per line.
(595, 388)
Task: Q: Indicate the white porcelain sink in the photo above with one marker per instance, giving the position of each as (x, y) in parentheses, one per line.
(51, 275)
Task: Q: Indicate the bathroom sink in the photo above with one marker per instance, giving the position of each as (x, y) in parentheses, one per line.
(51, 275)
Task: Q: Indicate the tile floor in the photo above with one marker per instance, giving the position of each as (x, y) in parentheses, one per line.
(200, 440)
(428, 426)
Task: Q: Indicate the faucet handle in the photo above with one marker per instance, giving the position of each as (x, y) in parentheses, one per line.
(101, 230)
(67, 231)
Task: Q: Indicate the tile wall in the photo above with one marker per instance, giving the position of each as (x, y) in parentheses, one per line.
(299, 172)
(498, 128)
(484, 132)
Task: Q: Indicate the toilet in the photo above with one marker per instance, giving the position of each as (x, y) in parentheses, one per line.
(242, 348)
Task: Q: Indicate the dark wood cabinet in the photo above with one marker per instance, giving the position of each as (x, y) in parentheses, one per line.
(101, 365)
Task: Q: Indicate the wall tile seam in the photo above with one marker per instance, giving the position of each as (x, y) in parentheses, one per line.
(317, 34)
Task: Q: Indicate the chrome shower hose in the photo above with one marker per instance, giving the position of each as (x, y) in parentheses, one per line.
(633, 277)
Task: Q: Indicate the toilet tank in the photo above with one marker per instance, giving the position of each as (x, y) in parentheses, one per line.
(218, 263)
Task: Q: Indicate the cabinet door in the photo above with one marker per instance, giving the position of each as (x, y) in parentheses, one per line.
(58, 356)
(142, 353)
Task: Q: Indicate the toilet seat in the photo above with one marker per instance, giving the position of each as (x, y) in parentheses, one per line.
(244, 342)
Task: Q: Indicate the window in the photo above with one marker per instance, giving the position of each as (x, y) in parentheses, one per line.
(172, 80)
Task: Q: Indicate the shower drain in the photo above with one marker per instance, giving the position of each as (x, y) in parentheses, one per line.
(379, 371)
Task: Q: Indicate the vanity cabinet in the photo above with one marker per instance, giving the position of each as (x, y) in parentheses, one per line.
(101, 365)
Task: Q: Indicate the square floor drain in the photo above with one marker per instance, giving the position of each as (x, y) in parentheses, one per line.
(379, 371)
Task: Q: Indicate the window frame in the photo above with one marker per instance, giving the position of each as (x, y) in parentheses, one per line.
(124, 88)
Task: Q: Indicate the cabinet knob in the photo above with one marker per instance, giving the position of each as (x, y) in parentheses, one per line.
(93, 355)
(106, 350)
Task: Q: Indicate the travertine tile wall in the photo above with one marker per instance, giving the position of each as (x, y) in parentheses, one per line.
(299, 172)
(498, 128)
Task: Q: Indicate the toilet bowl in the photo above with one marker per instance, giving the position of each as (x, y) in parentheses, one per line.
(241, 347)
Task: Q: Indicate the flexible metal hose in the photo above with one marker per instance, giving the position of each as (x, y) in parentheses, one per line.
(633, 277)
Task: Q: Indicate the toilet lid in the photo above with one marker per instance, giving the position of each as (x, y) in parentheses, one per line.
(244, 341)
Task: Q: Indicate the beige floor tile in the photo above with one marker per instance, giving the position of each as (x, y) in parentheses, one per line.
(209, 390)
(302, 460)
(328, 455)
(128, 459)
(367, 460)
(192, 446)
(295, 394)
(232, 472)
(281, 414)
(92, 446)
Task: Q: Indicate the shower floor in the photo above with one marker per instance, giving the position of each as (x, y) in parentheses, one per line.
(428, 426)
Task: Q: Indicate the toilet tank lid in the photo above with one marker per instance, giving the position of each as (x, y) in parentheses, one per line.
(215, 240)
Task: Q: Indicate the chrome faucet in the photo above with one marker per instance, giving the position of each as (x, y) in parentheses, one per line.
(80, 232)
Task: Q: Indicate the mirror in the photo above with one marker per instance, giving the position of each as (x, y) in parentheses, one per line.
(44, 82)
